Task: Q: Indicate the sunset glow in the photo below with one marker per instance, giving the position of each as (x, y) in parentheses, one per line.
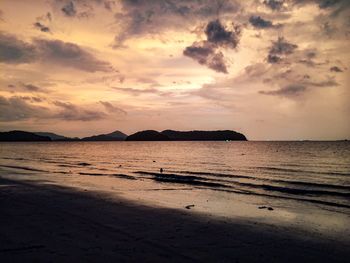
(272, 70)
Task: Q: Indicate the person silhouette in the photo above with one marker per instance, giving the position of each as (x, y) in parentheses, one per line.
(161, 170)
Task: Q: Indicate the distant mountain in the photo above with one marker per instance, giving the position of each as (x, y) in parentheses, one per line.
(148, 135)
(53, 136)
(22, 136)
(204, 135)
(117, 134)
(113, 136)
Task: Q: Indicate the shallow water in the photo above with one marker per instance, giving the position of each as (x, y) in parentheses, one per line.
(308, 172)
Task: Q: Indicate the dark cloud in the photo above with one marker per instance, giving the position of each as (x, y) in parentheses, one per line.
(274, 4)
(13, 50)
(287, 91)
(335, 7)
(199, 51)
(144, 17)
(280, 49)
(335, 69)
(207, 52)
(325, 4)
(204, 53)
(113, 109)
(259, 22)
(273, 59)
(42, 27)
(81, 8)
(219, 35)
(69, 9)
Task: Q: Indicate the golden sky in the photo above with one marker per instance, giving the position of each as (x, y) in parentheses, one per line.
(271, 69)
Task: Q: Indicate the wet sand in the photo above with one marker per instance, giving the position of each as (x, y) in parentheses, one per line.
(41, 222)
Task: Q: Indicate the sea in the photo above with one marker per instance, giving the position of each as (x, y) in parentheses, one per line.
(310, 172)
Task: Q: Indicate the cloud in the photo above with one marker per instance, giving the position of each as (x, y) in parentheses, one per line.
(204, 53)
(144, 17)
(32, 99)
(23, 87)
(15, 51)
(42, 27)
(33, 88)
(69, 9)
(259, 22)
(292, 90)
(219, 35)
(328, 4)
(274, 4)
(81, 8)
(279, 50)
(151, 82)
(71, 112)
(137, 92)
(70, 55)
(207, 52)
(330, 82)
(113, 109)
(335, 69)
(17, 109)
(22, 108)
(336, 6)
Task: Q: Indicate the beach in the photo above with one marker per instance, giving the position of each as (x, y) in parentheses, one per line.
(78, 214)
(44, 222)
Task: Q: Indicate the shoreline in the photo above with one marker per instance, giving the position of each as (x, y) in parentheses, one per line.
(42, 221)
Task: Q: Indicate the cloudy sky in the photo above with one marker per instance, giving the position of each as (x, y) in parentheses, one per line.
(272, 69)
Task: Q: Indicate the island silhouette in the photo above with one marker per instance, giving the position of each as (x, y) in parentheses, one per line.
(146, 135)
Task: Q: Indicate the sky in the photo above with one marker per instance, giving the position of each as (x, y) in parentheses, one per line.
(271, 69)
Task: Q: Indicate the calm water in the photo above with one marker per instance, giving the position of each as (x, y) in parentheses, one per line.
(312, 172)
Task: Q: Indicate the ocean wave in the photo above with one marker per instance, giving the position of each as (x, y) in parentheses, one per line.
(174, 178)
(23, 168)
(124, 176)
(14, 158)
(84, 164)
(296, 191)
(298, 171)
(301, 183)
(198, 180)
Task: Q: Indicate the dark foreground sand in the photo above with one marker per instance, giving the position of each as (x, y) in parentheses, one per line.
(47, 223)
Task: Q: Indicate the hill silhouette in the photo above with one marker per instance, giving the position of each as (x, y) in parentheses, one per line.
(148, 135)
(113, 136)
(53, 136)
(222, 135)
(22, 136)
